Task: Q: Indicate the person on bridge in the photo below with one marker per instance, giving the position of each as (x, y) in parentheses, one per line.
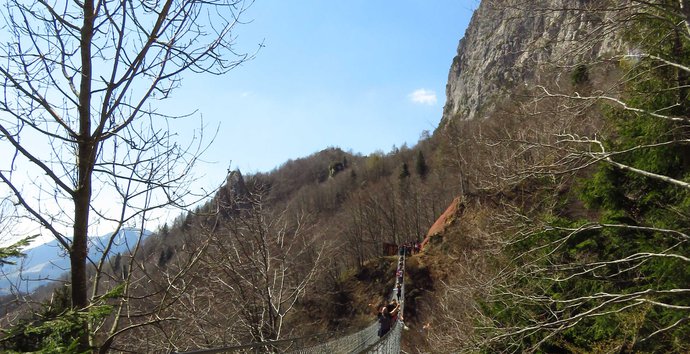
(386, 319)
(394, 309)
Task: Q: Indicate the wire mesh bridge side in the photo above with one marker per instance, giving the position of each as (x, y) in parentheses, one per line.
(363, 341)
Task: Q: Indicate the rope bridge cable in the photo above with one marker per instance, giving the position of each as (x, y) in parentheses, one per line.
(366, 340)
(390, 342)
(271, 346)
(352, 343)
(363, 341)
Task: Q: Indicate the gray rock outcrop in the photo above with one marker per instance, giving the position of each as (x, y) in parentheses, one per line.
(511, 44)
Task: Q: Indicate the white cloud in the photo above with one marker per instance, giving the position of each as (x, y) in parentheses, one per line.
(423, 96)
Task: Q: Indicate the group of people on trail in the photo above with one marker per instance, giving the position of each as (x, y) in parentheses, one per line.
(410, 248)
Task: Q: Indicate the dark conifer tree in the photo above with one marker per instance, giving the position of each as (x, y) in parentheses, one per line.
(404, 171)
(420, 165)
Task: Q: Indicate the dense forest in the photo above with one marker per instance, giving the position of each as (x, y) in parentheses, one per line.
(567, 228)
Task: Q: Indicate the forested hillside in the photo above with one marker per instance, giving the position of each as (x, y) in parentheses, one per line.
(563, 168)
(575, 236)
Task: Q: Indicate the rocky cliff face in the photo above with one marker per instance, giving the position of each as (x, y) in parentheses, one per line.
(516, 43)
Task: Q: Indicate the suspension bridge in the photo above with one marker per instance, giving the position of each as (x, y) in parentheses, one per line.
(366, 340)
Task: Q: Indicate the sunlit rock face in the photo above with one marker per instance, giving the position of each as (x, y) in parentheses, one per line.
(515, 44)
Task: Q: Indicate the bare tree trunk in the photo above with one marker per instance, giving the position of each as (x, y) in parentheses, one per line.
(82, 193)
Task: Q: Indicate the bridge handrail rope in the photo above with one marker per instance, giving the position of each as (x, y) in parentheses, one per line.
(366, 340)
(390, 342)
(254, 347)
(363, 341)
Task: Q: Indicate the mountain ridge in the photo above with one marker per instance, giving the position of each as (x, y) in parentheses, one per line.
(48, 263)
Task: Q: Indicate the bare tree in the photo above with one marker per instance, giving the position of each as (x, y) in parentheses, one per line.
(260, 264)
(87, 144)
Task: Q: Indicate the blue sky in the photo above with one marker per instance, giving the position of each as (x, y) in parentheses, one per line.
(362, 75)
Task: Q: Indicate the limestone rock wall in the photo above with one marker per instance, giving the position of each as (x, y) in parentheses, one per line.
(518, 42)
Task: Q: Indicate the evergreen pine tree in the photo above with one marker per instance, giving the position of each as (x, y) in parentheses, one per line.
(404, 171)
(420, 165)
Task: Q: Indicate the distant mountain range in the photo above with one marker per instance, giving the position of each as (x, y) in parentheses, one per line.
(49, 262)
